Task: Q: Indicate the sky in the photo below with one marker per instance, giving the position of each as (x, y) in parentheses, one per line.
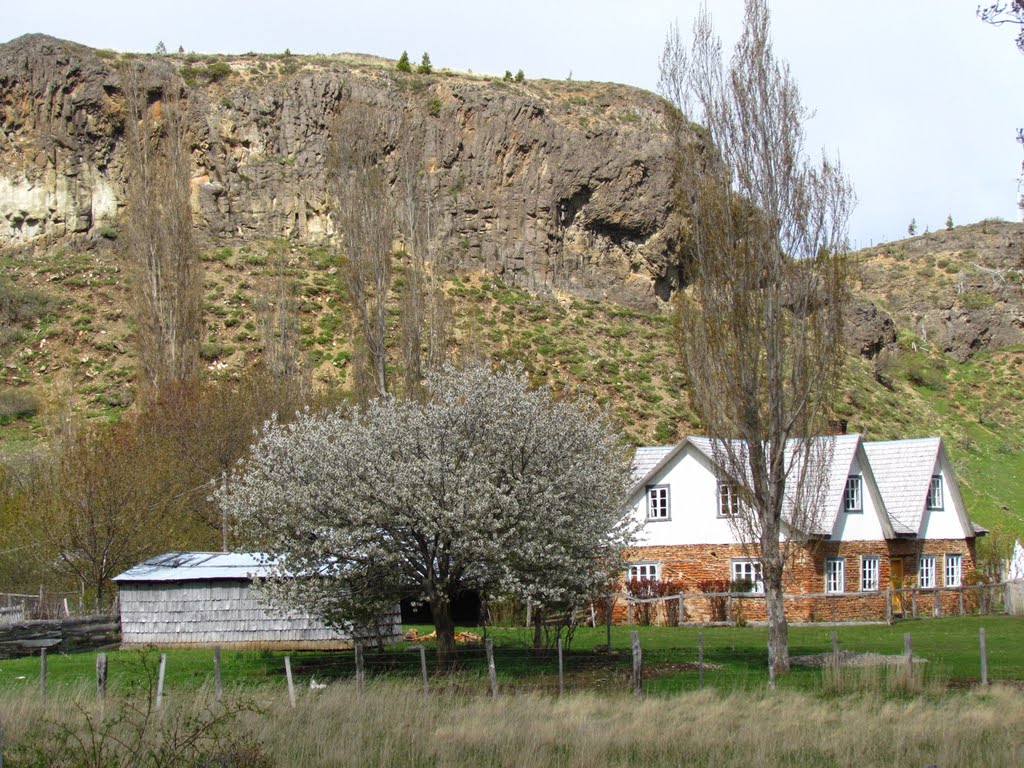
(916, 97)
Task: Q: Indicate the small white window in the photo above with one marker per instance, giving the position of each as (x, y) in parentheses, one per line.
(869, 573)
(728, 500)
(935, 493)
(954, 570)
(835, 575)
(650, 571)
(748, 571)
(926, 572)
(852, 496)
(657, 502)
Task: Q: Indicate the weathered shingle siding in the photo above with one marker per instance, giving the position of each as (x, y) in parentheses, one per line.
(220, 612)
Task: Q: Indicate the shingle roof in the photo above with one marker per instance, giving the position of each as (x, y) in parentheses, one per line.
(903, 471)
(646, 458)
(199, 566)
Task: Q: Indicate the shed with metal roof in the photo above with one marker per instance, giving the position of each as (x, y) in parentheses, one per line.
(207, 599)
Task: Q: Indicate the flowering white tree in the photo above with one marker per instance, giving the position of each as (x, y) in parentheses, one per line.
(486, 484)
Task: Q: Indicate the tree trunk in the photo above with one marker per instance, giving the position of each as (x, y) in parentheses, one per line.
(778, 628)
(444, 627)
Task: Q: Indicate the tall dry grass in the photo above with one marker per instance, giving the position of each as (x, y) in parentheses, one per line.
(392, 725)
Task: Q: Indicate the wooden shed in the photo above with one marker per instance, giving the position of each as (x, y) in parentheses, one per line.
(195, 599)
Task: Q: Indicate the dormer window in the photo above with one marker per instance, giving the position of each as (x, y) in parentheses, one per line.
(852, 498)
(935, 493)
(728, 499)
(657, 502)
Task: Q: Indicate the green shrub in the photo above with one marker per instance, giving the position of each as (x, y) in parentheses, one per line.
(17, 404)
(974, 300)
(508, 76)
(435, 107)
(425, 67)
(110, 233)
(403, 64)
(520, 77)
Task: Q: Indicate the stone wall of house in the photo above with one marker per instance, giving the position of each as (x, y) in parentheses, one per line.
(687, 567)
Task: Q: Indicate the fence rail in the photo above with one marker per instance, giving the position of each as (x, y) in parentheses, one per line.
(885, 605)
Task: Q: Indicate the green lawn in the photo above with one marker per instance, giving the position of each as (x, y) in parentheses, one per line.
(736, 658)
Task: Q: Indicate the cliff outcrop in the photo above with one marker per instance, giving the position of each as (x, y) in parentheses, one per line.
(553, 185)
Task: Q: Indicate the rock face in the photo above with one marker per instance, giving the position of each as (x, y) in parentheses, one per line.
(868, 330)
(555, 186)
(959, 289)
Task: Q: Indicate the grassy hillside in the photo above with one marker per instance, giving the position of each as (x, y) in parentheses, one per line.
(67, 342)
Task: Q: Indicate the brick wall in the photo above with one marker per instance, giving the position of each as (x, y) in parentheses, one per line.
(689, 565)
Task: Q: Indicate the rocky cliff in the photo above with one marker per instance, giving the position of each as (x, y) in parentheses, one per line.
(553, 185)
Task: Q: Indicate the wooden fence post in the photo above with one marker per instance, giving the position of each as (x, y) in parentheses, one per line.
(360, 675)
(682, 610)
(960, 592)
(101, 676)
(913, 602)
(160, 680)
(728, 608)
(638, 680)
(629, 612)
(888, 605)
(984, 656)
(42, 671)
(835, 658)
(700, 659)
(561, 670)
(608, 621)
(492, 674)
(936, 603)
(908, 655)
(288, 677)
(423, 670)
(218, 689)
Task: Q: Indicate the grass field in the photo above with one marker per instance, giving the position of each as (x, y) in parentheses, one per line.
(869, 717)
(736, 659)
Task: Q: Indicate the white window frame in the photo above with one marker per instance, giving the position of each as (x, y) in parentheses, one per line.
(835, 575)
(853, 494)
(645, 570)
(747, 568)
(926, 572)
(728, 499)
(870, 568)
(935, 493)
(658, 503)
(953, 570)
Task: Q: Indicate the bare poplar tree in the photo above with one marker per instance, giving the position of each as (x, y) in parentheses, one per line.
(279, 328)
(366, 218)
(425, 317)
(761, 326)
(167, 276)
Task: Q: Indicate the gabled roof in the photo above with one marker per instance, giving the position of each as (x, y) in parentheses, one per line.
(199, 566)
(646, 458)
(844, 449)
(903, 470)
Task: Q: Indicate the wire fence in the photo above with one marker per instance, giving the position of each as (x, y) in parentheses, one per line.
(716, 658)
(17, 607)
(887, 605)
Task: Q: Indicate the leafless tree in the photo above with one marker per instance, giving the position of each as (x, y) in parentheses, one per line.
(761, 324)
(425, 317)
(279, 328)
(366, 218)
(166, 272)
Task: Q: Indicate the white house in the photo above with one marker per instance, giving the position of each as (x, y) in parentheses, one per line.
(890, 514)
